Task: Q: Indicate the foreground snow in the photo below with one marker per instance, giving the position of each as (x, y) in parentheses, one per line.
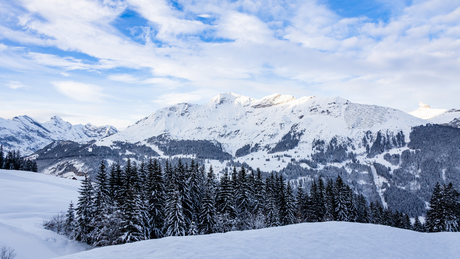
(307, 240)
(26, 199)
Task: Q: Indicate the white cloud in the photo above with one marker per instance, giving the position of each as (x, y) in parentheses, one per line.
(80, 91)
(122, 78)
(174, 98)
(15, 85)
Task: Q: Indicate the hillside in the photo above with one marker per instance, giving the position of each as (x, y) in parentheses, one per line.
(26, 200)
(307, 240)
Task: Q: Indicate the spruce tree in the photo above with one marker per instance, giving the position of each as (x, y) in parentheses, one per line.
(289, 215)
(175, 222)
(70, 221)
(435, 220)
(300, 204)
(84, 212)
(208, 210)
(156, 192)
(418, 225)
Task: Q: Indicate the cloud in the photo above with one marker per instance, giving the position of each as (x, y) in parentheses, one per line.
(15, 85)
(174, 98)
(249, 47)
(80, 91)
(122, 78)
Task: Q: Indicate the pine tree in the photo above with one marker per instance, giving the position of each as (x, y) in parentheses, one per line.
(175, 222)
(452, 207)
(418, 225)
(131, 224)
(208, 212)
(101, 208)
(70, 221)
(156, 192)
(84, 212)
(362, 213)
(330, 202)
(289, 215)
(342, 203)
(272, 211)
(434, 219)
(300, 204)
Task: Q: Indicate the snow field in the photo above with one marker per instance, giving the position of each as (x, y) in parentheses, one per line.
(26, 199)
(306, 240)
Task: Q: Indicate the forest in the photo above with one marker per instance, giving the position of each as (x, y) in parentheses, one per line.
(147, 201)
(13, 161)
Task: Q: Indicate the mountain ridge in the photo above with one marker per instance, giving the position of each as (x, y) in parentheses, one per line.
(27, 135)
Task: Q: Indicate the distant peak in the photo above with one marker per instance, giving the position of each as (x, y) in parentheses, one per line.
(272, 100)
(423, 105)
(56, 118)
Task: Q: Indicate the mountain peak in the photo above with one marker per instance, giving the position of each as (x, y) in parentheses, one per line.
(423, 105)
(272, 100)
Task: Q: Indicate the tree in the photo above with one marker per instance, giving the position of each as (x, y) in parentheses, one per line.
(84, 212)
(434, 219)
(70, 221)
(208, 212)
(175, 222)
(156, 192)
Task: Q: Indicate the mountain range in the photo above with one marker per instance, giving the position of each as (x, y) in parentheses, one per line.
(388, 155)
(28, 135)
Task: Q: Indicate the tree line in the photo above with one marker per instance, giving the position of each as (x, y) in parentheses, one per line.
(12, 160)
(147, 201)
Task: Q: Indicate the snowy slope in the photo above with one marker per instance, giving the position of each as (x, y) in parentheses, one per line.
(308, 240)
(28, 135)
(426, 112)
(236, 120)
(438, 116)
(26, 199)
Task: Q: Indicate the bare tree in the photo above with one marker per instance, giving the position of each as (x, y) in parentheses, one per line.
(7, 253)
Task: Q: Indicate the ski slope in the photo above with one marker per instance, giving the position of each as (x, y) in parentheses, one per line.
(26, 199)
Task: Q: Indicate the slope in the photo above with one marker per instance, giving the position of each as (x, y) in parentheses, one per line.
(26, 200)
(307, 240)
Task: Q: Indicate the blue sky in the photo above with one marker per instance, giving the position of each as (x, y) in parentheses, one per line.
(116, 61)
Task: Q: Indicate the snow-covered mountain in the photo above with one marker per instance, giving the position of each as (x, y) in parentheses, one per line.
(27, 135)
(438, 116)
(236, 121)
(386, 154)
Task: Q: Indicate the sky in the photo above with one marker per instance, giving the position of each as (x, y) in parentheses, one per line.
(116, 61)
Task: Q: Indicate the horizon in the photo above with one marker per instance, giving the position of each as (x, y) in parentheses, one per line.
(115, 62)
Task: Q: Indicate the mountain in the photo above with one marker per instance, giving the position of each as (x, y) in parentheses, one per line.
(27, 135)
(388, 155)
(438, 116)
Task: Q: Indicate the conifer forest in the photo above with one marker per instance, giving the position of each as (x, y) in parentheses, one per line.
(149, 201)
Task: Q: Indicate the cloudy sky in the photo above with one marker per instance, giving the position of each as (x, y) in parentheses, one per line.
(116, 61)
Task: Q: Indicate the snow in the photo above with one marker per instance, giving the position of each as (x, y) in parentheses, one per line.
(235, 120)
(26, 200)
(307, 240)
(27, 135)
(425, 112)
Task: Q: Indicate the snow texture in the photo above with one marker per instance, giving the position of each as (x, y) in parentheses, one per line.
(26, 200)
(306, 240)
